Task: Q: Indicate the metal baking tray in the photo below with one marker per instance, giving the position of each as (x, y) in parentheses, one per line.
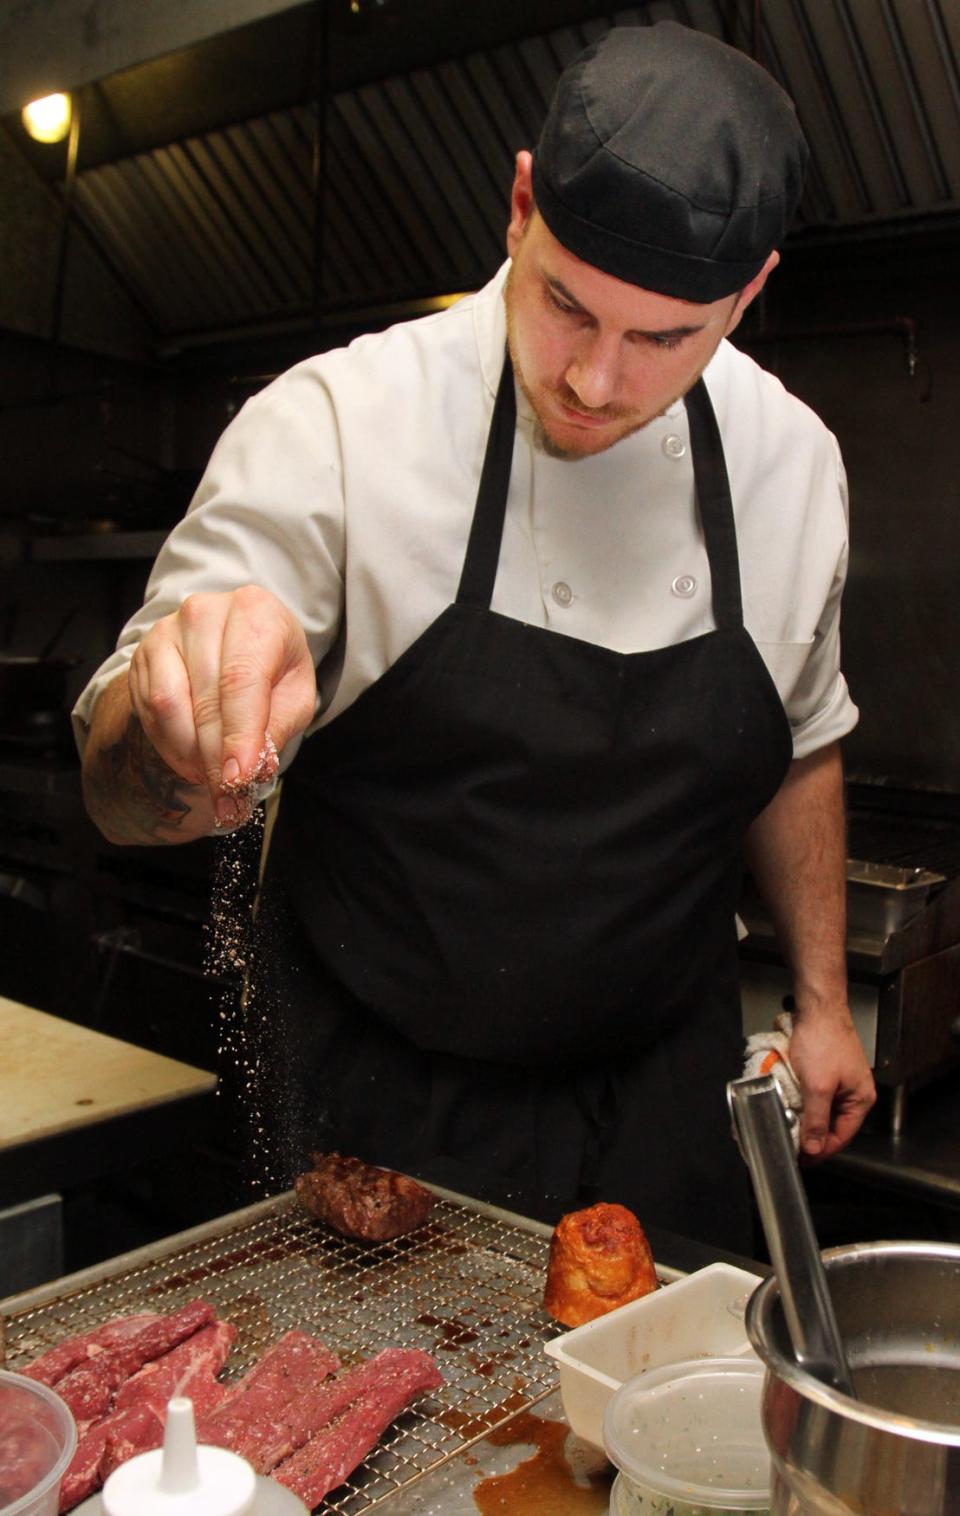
(466, 1287)
(882, 898)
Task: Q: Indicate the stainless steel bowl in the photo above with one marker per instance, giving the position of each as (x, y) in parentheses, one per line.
(896, 1448)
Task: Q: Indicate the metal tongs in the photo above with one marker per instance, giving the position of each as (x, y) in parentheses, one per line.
(761, 1128)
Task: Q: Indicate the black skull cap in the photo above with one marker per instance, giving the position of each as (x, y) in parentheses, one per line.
(670, 160)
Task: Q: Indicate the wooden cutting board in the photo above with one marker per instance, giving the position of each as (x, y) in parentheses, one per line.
(56, 1076)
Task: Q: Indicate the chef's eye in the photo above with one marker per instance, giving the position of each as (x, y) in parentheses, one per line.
(560, 304)
(667, 343)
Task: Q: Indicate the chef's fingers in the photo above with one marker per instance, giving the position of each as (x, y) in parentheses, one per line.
(162, 699)
(293, 700)
(815, 1123)
(832, 1116)
(847, 1114)
(267, 684)
(201, 624)
(835, 1080)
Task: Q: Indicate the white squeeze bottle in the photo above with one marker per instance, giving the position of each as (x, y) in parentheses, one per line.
(184, 1479)
(181, 1479)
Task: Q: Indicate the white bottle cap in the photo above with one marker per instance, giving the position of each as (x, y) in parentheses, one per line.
(181, 1479)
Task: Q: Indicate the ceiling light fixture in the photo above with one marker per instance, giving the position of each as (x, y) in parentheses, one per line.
(48, 120)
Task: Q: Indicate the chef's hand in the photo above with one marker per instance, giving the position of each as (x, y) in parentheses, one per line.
(835, 1079)
(220, 686)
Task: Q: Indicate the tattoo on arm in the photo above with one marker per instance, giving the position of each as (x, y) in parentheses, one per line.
(140, 798)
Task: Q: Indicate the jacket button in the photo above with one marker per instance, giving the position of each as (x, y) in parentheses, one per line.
(562, 593)
(674, 446)
(684, 585)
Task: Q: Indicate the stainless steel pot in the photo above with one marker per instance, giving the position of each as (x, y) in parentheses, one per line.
(895, 1450)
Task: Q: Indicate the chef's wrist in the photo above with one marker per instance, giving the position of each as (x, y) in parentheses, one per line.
(822, 1004)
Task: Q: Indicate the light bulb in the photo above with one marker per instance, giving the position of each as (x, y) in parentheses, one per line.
(48, 120)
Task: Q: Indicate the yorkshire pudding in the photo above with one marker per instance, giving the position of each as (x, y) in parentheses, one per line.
(599, 1259)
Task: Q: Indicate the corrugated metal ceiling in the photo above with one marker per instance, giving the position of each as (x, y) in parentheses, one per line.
(217, 231)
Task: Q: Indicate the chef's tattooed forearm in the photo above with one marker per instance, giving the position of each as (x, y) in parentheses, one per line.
(129, 785)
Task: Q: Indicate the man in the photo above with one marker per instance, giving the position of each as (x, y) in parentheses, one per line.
(501, 890)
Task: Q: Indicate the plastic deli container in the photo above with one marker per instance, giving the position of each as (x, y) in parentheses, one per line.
(701, 1315)
(688, 1440)
(38, 1436)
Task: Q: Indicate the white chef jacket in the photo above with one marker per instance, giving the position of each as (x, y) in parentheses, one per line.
(347, 487)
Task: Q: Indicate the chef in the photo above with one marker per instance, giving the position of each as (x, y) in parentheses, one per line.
(537, 599)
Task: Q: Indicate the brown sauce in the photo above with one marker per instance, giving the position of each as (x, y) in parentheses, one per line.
(544, 1484)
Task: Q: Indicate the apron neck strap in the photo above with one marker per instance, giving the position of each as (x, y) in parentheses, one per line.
(715, 507)
(710, 478)
(483, 548)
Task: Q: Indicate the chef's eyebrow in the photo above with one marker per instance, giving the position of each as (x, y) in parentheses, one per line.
(670, 333)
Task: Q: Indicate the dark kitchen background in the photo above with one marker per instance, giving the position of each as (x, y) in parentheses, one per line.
(251, 181)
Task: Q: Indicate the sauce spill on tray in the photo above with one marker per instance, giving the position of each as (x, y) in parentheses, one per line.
(545, 1483)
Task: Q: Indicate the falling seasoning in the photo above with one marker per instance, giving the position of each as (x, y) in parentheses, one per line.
(243, 1003)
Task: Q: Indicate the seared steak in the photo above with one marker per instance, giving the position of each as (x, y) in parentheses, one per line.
(362, 1201)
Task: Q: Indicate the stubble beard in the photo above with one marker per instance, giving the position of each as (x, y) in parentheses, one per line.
(542, 439)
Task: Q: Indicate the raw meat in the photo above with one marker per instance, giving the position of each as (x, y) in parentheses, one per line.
(59, 1360)
(311, 1413)
(258, 1414)
(27, 1449)
(134, 1427)
(138, 1429)
(88, 1389)
(397, 1377)
(362, 1201)
(135, 1422)
(189, 1369)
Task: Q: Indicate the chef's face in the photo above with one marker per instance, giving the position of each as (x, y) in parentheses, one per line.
(598, 358)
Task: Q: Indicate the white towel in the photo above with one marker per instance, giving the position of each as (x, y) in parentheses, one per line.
(766, 1053)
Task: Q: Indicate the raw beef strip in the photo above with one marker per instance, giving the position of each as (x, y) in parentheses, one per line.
(324, 1462)
(25, 1445)
(359, 1200)
(59, 1360)
(88, 1389)
(139, 1429)
(309, 1413)
(190, 1369)
(136, 1427)
(256, 1413)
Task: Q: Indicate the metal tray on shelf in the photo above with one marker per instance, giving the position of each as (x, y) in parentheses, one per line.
(882, 897)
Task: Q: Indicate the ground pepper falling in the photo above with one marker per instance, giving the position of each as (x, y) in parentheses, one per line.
(246, 1010)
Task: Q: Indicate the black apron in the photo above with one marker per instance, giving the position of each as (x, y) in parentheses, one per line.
(499, 915)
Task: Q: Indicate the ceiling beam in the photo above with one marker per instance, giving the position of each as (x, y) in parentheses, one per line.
(48, 45)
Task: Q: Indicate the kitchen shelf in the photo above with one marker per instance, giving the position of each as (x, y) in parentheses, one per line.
(91, 545)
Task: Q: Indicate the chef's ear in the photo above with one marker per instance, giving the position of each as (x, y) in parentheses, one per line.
(751, 291)
(521, 201)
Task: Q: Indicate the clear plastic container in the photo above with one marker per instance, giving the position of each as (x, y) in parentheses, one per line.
(687, 1439)
(38, 1436)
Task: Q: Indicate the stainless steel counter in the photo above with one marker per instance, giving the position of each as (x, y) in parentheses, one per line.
(923, 1159)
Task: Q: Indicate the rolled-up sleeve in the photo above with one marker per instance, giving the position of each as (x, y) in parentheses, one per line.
(819, 705)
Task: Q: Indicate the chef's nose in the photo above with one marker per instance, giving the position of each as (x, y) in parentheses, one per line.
(593, 372)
